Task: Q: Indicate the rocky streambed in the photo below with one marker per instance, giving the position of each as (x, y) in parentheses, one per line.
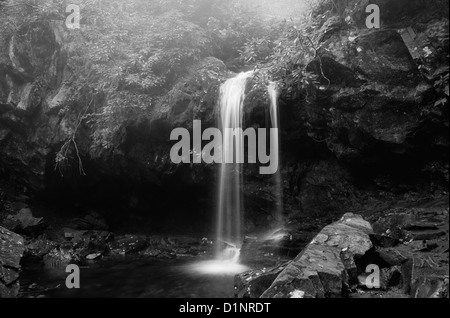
(401, 254)
(404, 244)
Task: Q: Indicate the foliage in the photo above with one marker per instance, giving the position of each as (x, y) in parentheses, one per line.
(283, 56)
(128, 54)
(231, 27)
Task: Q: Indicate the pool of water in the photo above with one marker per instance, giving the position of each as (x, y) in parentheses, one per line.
(130, 278)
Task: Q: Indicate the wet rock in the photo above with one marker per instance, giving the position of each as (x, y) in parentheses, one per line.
(351, 232)
(93, 256)
(417, 268)
(25, 223)
(384, 240)
(151, 252)
(11, 251)
(91, 248)
(429, 276)
(127, 244)
(182, 252)
(419, 226)
(253, 284)
(431, 287)
(393, 226)
(384, 57)
(61, 256)
(392, 256)
(77, 246)
(283, 243)
(320, 270)
(37, 249)
(427, 235)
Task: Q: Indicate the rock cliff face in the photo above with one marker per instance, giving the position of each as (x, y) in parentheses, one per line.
(372, 122)
(30, 79)
(375, 118)
(377, 98)
(11, 251)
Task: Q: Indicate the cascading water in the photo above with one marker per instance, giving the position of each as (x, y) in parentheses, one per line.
(230, 205)
(273, 91)
(229, 211)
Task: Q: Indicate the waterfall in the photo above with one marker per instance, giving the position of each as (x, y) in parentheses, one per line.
(273, 91)
(230, 198)
(229, 211)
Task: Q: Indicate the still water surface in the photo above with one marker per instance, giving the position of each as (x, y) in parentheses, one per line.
(131, 277)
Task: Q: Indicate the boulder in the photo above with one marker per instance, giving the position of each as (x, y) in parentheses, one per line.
(392, 256)
(371, 97)
(317, 273)
(25, 223)
(37, 249)
(252, 284)
(267, 250)
(11, 252)
(91, 248)
(323, 268)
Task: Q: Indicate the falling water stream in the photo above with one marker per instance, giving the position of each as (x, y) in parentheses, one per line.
(230, 203)
(273, 91)
(229, 212)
